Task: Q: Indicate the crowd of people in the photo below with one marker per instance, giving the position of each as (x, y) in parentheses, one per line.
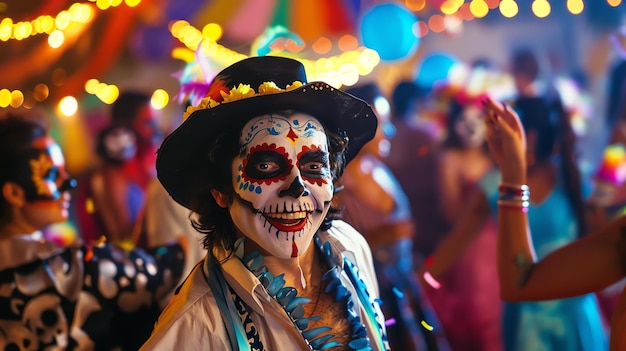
(283, 214)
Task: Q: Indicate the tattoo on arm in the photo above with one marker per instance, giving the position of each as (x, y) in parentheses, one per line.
(526, 267)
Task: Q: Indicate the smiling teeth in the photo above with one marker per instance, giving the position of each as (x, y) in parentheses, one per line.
(286, 215)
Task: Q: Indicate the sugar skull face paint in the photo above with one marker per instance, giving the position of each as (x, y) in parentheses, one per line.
(283, 183)
(44, 172)
(471, 127)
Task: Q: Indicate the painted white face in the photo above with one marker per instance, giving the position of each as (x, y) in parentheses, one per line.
(283, 184)
(471, 127)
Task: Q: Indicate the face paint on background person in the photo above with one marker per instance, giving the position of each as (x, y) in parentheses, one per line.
(44, 178)
(471, 127)
(283, 183)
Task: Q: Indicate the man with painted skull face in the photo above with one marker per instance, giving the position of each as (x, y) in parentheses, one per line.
(257, 160)
(70, 296)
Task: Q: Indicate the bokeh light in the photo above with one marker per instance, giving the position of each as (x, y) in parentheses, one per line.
(91, 85)
(108, 94)
(41, 92)
(388, 29)
(322, 45)
(160, 98)
(68, 106)
(56, 39)
(575, 6)
(62, 20)
(508, 8)
(479, 8)
(435, 69)
(213, 31)
(132, 3)
(347, 42)
(415, 5)
(437, 23)
(420, 29)
(541, 8)
(5, 98)
(17, 98)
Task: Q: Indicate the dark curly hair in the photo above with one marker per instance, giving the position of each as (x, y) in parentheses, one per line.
(213, 171)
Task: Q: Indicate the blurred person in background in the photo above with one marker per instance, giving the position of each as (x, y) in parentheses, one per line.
(111, 198)
(571, 271)
(70, 296)
(413, 158)
(166, 220)
(467, 301)
(556, 215)
(374, 203)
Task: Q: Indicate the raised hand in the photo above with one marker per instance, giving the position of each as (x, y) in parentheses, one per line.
(506, 140)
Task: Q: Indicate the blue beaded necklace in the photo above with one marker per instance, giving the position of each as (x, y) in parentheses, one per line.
(287, 297)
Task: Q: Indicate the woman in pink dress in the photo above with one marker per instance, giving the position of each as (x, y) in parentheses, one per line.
(467, 301)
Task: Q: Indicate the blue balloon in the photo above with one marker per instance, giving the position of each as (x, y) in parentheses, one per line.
(435, 68)
(388, 29)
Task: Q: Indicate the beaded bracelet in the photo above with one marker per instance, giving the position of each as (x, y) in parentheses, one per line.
(514, 197)
(518, 190)
(514, 205)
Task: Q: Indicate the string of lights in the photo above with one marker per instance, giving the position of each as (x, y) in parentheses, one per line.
(342, 69)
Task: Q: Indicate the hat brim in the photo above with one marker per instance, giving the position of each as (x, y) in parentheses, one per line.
(338, 111)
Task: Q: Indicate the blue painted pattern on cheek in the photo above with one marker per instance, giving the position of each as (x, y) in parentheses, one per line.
(239, 177)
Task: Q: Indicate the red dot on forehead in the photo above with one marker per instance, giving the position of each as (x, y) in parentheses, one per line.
(292, 135)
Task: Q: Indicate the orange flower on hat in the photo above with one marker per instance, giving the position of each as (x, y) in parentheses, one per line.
(217, 89)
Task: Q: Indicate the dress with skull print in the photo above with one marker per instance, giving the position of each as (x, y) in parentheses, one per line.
(73, 297)
(80, 298)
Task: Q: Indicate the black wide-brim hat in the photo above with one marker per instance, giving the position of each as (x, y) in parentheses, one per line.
(338, 111)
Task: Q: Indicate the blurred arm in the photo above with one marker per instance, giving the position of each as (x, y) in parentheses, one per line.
(464, 232)
(586, 265)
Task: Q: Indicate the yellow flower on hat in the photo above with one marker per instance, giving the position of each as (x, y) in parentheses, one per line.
(293, 86)
(206, 102)
(242, 91)
(269, 88)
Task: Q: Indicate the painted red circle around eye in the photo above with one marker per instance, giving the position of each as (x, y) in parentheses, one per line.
(306, 149)
(265, 147)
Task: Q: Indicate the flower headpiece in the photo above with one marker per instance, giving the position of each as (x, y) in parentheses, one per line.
(220, 94)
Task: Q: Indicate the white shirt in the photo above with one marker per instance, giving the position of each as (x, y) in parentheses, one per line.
(192, 320)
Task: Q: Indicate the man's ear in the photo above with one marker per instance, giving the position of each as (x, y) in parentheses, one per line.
(13, 193)
(220, 198)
